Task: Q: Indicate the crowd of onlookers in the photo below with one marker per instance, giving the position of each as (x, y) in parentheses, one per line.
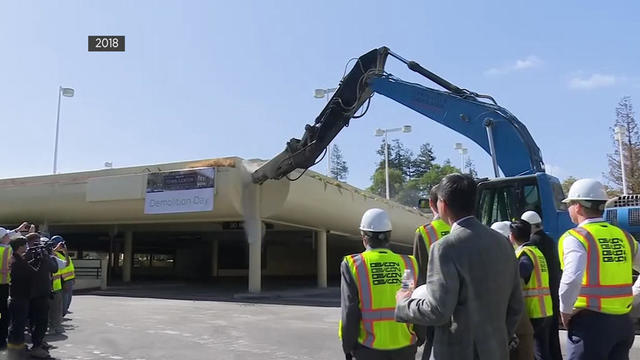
(36, 281)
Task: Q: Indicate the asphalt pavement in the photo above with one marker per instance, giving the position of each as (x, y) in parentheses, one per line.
(138, 328)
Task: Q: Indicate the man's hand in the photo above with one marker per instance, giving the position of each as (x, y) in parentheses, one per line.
(566, 318)
(24, 227)
(403, 294)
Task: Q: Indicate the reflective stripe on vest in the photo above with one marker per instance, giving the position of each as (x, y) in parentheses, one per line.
(5, 272)
(607, 279)
(67, 273)
(433, 232)
(537, 296)
(378, 275)
(57, 281)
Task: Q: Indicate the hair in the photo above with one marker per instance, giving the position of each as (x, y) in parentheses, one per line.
(433, 194)
(18, 242)
(377, 239)
(521, 230)
(31, 237)
(592, 208)
(459, 192)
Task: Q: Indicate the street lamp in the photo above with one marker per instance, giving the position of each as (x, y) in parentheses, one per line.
(67, 92)
(462, 151)
(319, 94)
(383, 132)
(620, 132)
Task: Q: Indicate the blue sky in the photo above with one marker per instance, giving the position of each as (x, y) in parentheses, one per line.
(202, 79)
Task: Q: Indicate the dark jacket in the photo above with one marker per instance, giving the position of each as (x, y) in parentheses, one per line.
(21, 277)
(41, 283)
(549, 249)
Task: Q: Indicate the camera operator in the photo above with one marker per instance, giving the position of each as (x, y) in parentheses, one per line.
(44, 262)
(5, 278)
(21, 275)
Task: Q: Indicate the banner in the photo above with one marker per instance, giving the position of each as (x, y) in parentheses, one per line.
(180, 191)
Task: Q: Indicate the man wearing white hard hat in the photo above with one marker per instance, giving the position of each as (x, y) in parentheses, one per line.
(549, 249)
(369, 282)
(595, 289)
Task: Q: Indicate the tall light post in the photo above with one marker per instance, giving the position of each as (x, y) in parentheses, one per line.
(320, 94)
(67, 92)
(620, 132)
(462, 151)
(383, 132)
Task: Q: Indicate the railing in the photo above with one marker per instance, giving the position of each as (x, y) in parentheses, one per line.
(88, 269)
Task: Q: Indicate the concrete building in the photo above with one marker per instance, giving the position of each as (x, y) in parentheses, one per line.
(282, 228)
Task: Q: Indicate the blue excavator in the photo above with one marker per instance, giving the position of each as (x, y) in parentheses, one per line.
(525, 185)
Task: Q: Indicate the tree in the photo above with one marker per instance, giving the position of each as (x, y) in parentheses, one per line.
(435, 174)
(396, 183)
(566, 184)
(423, 161)
(470, 167)
(625, 118)
(400, 157)
(339, 168)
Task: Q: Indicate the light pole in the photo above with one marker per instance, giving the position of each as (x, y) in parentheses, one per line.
(620, 132)
(383, 132)
(462, 151)
(319, 94)
(67, 92)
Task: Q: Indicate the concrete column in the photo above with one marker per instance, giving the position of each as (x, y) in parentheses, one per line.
(214, 257)
(128, 256)
(104, 268)
(321, 251)
(253, 230)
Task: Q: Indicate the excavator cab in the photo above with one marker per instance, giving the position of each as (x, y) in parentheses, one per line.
(505, 199)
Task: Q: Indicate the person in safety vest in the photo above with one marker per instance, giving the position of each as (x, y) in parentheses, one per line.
(474, 297)
(534, 273)
(426, 235)
(521, 345)
(369, 284)
(549, 248)
(68, 275)
(55, 304)
(595, 289)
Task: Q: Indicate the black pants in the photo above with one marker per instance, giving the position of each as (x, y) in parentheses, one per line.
(405, 353)
(4, 314)
(19, 312)
(541, 329)
(596, 336)
(39, 319)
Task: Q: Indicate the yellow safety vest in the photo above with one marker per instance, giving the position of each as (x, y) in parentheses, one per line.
(5, 257)
(433, 231)
(607, 279)
(378, 274)
(68, 273)
(537, 296)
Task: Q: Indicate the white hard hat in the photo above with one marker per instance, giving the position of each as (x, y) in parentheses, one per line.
(531, 217)
(375, 220)
(503, 227)
(586, 189)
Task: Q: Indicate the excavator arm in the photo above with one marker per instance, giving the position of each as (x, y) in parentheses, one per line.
(487, 124)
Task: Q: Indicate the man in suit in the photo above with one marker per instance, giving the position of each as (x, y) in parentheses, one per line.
(474, 297)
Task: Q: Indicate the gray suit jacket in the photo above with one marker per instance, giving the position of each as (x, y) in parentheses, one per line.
(474, 296)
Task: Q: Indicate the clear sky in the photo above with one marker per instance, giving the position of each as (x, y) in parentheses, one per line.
(203, 79)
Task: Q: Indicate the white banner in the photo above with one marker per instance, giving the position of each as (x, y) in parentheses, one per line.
(180, 191)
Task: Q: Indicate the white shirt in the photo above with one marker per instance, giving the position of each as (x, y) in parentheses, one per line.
(455, 224)
(61, 263)
(575, 263)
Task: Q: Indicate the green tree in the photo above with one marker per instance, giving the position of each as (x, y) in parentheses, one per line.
(625, 118)
(470, 167)
(423, 161)
(396, 183)
(339, 168)
(400, 157)
(566, 184)
(435, 174)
